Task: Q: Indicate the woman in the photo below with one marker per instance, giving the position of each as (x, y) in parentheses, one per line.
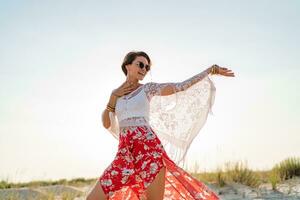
(153, 140)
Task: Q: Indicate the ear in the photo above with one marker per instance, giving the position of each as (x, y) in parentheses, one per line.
(127, 68)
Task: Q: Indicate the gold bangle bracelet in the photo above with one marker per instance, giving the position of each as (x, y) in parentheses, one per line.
(110, 109)
(212, 69)
(108, 106)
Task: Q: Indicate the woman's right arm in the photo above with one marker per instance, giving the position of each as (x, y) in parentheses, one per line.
(105, 114)
(116, 93)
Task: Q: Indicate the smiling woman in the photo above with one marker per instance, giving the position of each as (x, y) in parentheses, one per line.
(153, 140)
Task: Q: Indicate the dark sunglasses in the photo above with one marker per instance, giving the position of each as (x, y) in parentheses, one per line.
(142, 65)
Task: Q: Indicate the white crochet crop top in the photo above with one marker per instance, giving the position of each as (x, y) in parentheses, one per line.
(133, 109)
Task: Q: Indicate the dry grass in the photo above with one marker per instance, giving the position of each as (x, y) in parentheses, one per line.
(240, 173)
(33, 184)
(230, 172)
(48, 196)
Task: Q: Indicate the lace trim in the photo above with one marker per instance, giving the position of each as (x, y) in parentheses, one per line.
(133, 121)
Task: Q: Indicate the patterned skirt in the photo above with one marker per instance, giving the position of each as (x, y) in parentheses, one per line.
(139, 158)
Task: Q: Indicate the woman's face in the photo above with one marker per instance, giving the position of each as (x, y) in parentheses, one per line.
(135, 71)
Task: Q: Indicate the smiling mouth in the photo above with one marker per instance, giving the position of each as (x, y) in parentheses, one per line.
(141, 74)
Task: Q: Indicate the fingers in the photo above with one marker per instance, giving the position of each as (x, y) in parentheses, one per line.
(228, 74)
(126, 86)
(224, 68)
(128, 89)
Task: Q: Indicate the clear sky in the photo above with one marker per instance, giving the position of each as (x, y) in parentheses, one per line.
(60, 60)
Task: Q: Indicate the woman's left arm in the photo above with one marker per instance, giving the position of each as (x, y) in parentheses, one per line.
(163, 89)
(171, 88)
(181, 86)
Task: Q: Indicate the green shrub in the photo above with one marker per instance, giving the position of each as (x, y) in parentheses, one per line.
(239, 172)
(287, 168)
(274, 178)
(220, 178)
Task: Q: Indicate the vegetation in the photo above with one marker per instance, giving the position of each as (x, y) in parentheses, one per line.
(32, 184)
(237, 172)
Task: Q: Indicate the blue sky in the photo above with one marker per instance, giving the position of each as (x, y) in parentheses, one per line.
(60, 60)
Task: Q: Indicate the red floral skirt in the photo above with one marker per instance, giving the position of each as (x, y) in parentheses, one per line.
(139, 159)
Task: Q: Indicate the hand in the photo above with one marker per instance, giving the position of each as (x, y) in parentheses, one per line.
(124, 89)
(223, 71)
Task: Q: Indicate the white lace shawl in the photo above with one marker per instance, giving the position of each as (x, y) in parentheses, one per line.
(177, 118)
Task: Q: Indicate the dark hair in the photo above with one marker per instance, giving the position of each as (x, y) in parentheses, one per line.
(130, 57)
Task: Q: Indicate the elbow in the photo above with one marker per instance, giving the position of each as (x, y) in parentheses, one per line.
(105, 121)
(168, 90)
(106, 125)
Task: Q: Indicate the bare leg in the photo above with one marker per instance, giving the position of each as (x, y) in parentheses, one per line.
(156, 189)
(96, 193)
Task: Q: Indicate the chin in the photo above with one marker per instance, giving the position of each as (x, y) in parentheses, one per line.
(141, 77)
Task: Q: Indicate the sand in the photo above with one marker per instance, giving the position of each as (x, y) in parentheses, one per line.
(288, 190)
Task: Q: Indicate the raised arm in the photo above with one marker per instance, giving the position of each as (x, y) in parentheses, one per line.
(169, 88)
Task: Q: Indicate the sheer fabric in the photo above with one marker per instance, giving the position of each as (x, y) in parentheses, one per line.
(176, 119)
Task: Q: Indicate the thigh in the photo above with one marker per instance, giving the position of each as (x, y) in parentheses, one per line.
(96, 193)
(155, 191)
